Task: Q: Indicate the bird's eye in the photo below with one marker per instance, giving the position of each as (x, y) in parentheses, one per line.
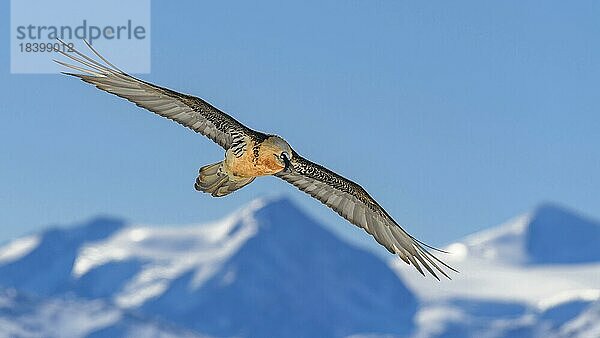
(284, 156)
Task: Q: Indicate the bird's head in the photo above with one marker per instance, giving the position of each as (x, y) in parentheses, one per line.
(278, 149)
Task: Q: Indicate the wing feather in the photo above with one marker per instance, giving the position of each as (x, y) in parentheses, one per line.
(189, 111)
(345, 197)
(353, 203)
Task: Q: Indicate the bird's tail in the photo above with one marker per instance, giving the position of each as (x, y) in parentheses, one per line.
(212, 179)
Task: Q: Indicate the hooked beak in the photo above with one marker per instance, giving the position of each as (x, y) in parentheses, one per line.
(288, 165)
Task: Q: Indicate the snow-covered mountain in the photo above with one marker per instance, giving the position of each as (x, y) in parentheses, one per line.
(537, 275)
(269, 270)
(548, 235)
(23, 315)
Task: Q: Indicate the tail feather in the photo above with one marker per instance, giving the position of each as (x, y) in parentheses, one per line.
(212, 179)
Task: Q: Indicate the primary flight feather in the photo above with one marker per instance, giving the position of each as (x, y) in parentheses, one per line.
(250, 154)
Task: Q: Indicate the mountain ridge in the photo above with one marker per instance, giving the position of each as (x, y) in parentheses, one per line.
(270, 269)
(549, 234)
(270, 259)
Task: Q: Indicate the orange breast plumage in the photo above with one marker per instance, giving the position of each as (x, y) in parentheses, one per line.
(253, 164)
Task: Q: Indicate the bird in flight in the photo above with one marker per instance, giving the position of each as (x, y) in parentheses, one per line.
(250, 154)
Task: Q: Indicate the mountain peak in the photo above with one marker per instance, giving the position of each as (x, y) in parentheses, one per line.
(45, 266)
(550, 234)
(276, 204)
(240, 276)
(558, 235)
(551, 210)
(96, 228)
(291, 264)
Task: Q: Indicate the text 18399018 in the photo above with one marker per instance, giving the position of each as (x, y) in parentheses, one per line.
(44, 47)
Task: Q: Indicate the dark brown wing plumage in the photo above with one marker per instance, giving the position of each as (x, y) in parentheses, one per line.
(353, 203)
(187, 110)
(347, 198)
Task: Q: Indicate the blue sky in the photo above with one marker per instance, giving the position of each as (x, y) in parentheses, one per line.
(455, 116)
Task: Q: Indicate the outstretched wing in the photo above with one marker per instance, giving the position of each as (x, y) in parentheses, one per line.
(187, 110)
(353, 203)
